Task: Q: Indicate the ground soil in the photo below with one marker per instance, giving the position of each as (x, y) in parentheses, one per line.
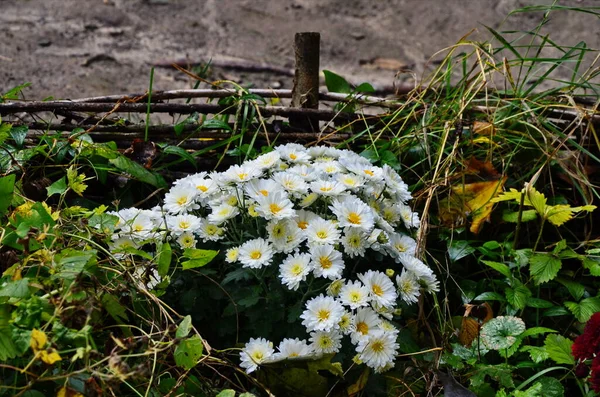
(80, 48)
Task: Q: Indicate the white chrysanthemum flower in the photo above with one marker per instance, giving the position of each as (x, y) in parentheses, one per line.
(181, 199)
(285, 235)
(408, 286)
(293, 348)
(323, 313)
(354, 294)
(352, 212)
(354, 241)
(366, 321)
(321, 231)
(275, 206)
(303, 218)
(351, 181)
(293, 153)
(329, 167)
(205, 186)
(222, 213)
(183, 223)
(232, 254)
(327, 262)
(326, 187)
(324, 342)
(401, 244)
(308, 199)
(294, 270)
(240, 173)
(292, 183)
(210, 232)
(366, 170)
(306, 172)
(381, 288)
(429, 283)
(410, 218)
(384, 311)
(418, 268)
(187, 240)
(140, 227)
(120, 244)
(334, 288)
(388, 327)
(255, 253)
(255, 353)
(390, 212)
(146, 277)
(267, 160)
(346, 324)
(378, 350)
(396, 184)
(261, 188)
(501, 332)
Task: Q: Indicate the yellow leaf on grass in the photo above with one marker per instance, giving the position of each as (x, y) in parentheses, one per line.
(38, 340)
(474, 199)
(49, 357)
(66, 392)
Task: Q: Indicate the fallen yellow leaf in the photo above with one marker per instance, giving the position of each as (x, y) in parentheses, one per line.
(49, 357)
(38, 340)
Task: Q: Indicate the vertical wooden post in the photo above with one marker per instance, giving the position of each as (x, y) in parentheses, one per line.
(305, 94)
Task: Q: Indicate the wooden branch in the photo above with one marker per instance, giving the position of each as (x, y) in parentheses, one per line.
(235, 64)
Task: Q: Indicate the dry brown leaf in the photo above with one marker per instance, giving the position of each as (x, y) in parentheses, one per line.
(475, 316)
(483, 128)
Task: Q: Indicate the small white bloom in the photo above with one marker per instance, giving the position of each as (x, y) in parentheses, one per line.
(327, 262)
(256, 352)
(410, 218)
(181, 199)
(396, 184)
(325, 342)
(430, 283)
(293, 153)
(120, 244)
(140, 227)
(380, 286)
(408, 286)
(294, 270)
(292, 183)
(366, 321)
(205, 187)
(187, 240)
(306, 172)
(323, 313)
(401, 244)
(321, 231)
(418, 268)
(275, 206)
(210, 232)
(261, 188)
(352, 212)
(346, 324)
(255, 253)
(232, 254)
(329, 167)
(354, 242)
(267, 160)
(351, 181)
(293, 348)
(222, 213)
(183, 223)
(354, 294)
(303, 218)
(308, 200)
(240, 173)
(327, 187)
(378, 350)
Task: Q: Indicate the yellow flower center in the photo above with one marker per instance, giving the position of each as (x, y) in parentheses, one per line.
(184, 224)
(211, 230)
(369, 172)
(325, 262)
(293, 156)
(326, 188)
(377, 347)
(138, 228)
(297, 269)
(255, 254)
(322, 234)
(264, 192)
(355, 297)
(354, 218)
(363, 328)
(242, 176)
(278, 231)
(325, 342)
(302, 225)
(258, 356)
(293, 354)
(275, 208)
(323, 315)
(400, 248)
(377, 290)
(202, 188)
(182, 200)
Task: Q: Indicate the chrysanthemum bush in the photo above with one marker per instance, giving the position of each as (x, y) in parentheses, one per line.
(334, 230)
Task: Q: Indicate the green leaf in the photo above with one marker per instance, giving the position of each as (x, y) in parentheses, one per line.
(58, 187)
(7, 188)
(499, 267)
(8, 350)
(16, 289)
(188, 352)
(365, 88)
(544, 267)
(559, 349)
(215, 124)
(106, 223)
(518, 296)
(72, 262)
(76, 180)
(490, 296)
(536, 331)
(226, 393)
(575, 289)
(536, 353)
(390, 158)
(593, 265)
(134, 169)
(513, 217)
(555, 311)
(164, 259)
(584, 309)
(114, 308)
(539, 303)
(18, 134)
(551, 387)
(13, 93)
(184, 327)
(180, 152)
(336, 83)
(458, 249)
(4, 128)
(197, 257)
